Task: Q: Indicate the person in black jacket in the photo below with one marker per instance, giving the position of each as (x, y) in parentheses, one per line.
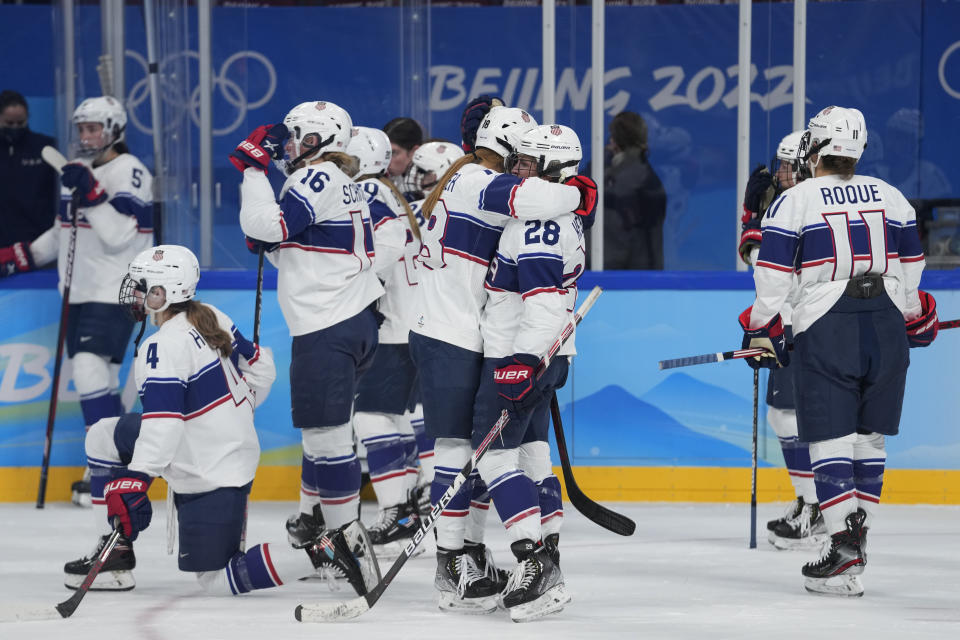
(29, 187)
(635, 202)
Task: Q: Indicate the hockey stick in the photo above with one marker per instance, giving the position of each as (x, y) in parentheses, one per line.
(610, 520)
(66, 608)
(721, 356)
(335, 611)
(753, 462)
(56, 160)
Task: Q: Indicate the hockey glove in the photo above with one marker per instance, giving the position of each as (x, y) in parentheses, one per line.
(770, 337)
(251, 153)
(127, 500)
(472, 116)
(516, 382)
(921, 331)
(750, 237)
(759, 182)
(16, 259)
(254, 245)
(588, 197)
(79, 179)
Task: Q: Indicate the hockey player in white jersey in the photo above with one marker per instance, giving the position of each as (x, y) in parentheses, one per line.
(465, 215)
(852, 241)
(532, 294)
(385, 390)
(111, 193)
(801, 526)
(200, 380)
(320, 238)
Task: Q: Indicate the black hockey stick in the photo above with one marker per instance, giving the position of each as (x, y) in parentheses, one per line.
(610, 520)
(56, 160)
(14, 613)
(753, 463)
(336, 611)
(257, 306)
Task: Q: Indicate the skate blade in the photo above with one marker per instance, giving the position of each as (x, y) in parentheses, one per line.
(806, 543)
(553, 601)
(452, 603)
(393, 550)
(358, 540)
(105, 581)
(842, 585)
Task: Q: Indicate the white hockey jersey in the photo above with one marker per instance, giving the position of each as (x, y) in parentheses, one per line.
(320, 239)
(109, 235)
(828, 230)
(396, 250)
(197, 429)
(532, 286)
(460, 239)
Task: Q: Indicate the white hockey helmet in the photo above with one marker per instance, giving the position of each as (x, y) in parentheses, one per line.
(315, 128)
(104, 110)
(501, 129)
(787, 168)
(432, 160)
(838, 131)
(555, 148)
(372, 148)
(158, 277)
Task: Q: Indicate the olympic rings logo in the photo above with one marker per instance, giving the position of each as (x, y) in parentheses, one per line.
(229, 89)
(941, 73)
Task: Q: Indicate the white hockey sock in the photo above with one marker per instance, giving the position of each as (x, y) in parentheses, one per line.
(263, 566)
(832, 462)
(451, 455)
(386, 459)
(330, 450)
(869, 462)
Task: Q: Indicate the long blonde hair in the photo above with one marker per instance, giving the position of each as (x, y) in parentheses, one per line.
(205, 322)
(481, 154)
(411, 218)
(344, 161)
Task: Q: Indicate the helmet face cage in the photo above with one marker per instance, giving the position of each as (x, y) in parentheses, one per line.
(132, 295)
(158, 277)
(107, 112)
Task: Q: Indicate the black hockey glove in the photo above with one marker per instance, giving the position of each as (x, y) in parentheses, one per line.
(757, 185)
(770, 337)
(472, 116)
(78, 178)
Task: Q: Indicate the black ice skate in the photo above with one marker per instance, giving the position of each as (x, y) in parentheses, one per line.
(80, 491)
(396, 527)
(837, 570)
(806, 531)
(345, 553)
(116, 574)
(536, 587)
(462, 585)
(552, 543)
(304, 528)
(792, 512)
(484, 560)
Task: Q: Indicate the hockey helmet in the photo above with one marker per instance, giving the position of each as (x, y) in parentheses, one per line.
(106, 111)
(554, 149)
(372, 148)
(158, 277)
(786, 163)
(501, 129)
(315, 128)
(432, 160)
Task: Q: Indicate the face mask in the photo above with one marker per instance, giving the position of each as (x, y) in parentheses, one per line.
(13, 135)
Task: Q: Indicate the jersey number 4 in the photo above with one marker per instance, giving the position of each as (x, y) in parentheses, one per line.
(844, 266)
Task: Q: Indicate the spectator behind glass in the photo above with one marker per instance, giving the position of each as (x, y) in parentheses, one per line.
(635, 202)
(406, 135)
(29, 187)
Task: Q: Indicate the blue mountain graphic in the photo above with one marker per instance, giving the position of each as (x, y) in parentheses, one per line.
(615, 428)
(700, 404)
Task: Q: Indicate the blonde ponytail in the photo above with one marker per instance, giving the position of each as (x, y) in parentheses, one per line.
(204, 320)
(412, 219)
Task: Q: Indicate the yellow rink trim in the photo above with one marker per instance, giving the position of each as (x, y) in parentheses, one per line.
(603, 484)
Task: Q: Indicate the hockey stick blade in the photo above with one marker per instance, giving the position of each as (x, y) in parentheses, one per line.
(346, 610)
(595, 512)
(53, 158)
(27, 613)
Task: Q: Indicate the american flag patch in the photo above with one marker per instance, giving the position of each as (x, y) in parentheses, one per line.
(158, 255)
(320, 106)
(525, 116)
(556, 130)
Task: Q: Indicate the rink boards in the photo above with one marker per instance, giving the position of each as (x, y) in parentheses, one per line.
(635, 432)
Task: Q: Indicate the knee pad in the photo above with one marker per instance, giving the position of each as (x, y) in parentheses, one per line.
(327, 442)
(91, 373)
(535, 460)
(498, 462)
(833, 448)
(100, 444)
(783, 422)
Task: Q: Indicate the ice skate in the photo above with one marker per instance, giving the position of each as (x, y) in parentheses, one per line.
(304, 528)
(806, 531)
(552, 543)
(792, 512)
(116, 573)
(462, 585)
(345, 553)
(536, 587)
(483, 558)
(841, 562)
(80, 491)
(395, 528)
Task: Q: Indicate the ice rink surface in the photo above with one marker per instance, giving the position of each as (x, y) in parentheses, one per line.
(686, 573)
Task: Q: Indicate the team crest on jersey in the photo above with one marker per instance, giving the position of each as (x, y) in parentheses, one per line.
(158, 255)
(556, 130)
